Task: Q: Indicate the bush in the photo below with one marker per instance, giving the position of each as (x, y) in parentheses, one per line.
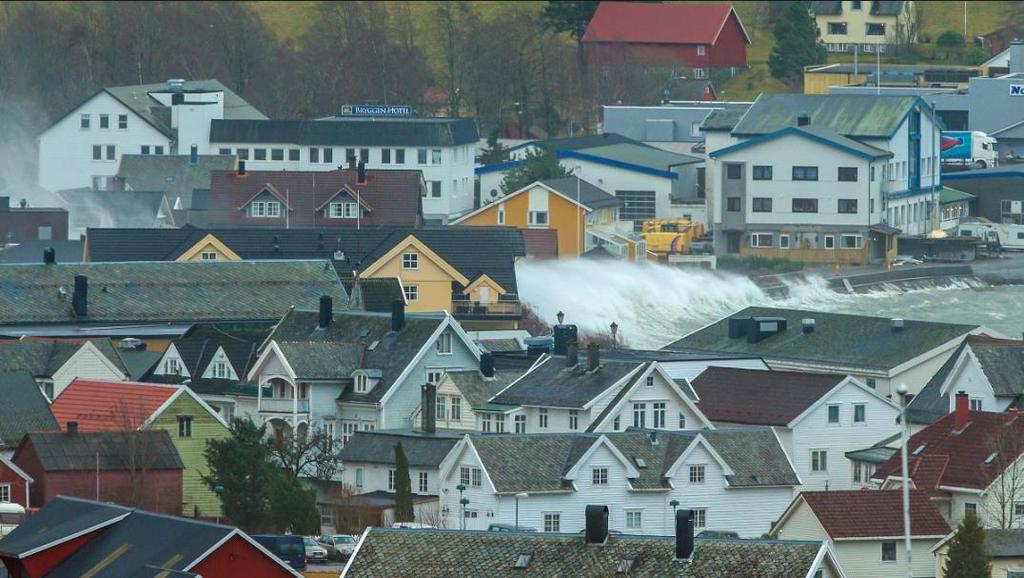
(975, 56)
(950, 38)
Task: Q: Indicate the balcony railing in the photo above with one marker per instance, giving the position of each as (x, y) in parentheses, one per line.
(466, 308)
(284, 405)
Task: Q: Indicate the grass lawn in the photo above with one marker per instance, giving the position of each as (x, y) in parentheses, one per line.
(982, 17)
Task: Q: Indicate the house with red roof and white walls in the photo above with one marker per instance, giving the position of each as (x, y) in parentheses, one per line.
(865, 529)
(967, 461)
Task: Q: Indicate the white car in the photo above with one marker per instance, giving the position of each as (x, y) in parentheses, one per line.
(339, 546)
(314, 552)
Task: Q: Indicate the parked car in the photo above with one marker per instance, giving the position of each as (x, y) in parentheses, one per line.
(509, 528)
(291, 549)
(314, 552)
(412, 525)
(339, 546)
(10, 516)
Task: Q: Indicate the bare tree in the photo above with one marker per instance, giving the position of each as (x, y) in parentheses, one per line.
(908, 24)
(306, 454)
(1004, 471)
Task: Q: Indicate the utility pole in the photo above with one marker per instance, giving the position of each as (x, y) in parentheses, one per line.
(901, 389)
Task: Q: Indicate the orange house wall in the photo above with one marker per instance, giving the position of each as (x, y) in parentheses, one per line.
(560, 218)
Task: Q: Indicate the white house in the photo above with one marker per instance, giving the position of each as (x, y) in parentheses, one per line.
(84, 147)
(368, 460)
(865, 530)
(818, 418)
(990, 371)
(55, 364)
(804, 170)
(878, 351)
(350, 371)
(733, 480)
(441, 148)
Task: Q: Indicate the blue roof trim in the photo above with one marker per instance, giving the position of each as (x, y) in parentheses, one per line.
(989, 174)
(618, 164)
(906, 193)
(793, 130)
(496, 167)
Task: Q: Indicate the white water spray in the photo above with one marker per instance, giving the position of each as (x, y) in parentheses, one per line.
(655, 304)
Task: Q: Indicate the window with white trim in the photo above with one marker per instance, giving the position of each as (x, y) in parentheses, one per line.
(700, 517)
(265, 209)
(851, 241)
(783, 241)
(859, 413)
(760, 239)
(456, 402)
(410, 261)
(362, 383)
(830, 241)
(209, 256)
(485, 422)
(650, 381)
(184, 426)
(440, 407)
(476, 477)
(84, 122)
(542, 418)
(434, 376)
(600, 476)
(833, 414)
(172, 367)
(391, 480)
(444, 343)
(538, 218)
(552, 522)
(819, 460)
(574, 419)
(412, 292)
(423, 482)
(702, 50)
(464, 475)
(682, 420)
(343, 210)
(104, 121)
(122, 122)
(975, 404)
(501, 214)
(520, 421)
(5, 492)
(220, 370)
(697, 474)
(639, 415)
(634, 519)
(659, 414)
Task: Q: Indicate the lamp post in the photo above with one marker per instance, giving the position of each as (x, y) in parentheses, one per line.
(464, 502)
(519, 495)
(219, 490)
(901, 389)
(615, 331)
(675, 504)
(560, 316)
(461, 488)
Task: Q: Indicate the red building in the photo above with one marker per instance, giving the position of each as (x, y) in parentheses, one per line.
(24, 224)
(14, 483)
(348, 197)
(73, 537)
(698, 36)
(140, 468)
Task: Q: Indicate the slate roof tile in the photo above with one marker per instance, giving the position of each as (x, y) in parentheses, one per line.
(23, 408)
(61, 451)
(551, 383)
(423, 450)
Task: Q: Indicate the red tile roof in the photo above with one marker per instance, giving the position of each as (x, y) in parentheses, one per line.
(964, 453)
(109, 405)
(752, 396)
(874, 514)
(391, 197)
(657, 23)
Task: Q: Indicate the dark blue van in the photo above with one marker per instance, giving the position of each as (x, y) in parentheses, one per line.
(291, 549)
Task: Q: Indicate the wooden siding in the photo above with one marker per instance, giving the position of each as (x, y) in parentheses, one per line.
(566, 217)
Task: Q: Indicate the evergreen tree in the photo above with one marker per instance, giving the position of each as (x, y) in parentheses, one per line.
(241, 465)
(292, 507)
(796, 44)
(403, 487)
(495, 151)
(966, 556)
(536, 166)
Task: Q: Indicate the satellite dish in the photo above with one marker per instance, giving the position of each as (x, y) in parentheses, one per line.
(494, 193)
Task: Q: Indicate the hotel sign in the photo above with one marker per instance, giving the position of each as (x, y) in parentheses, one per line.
(376, 110)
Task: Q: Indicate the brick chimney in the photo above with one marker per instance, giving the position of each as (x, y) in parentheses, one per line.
(962, 414)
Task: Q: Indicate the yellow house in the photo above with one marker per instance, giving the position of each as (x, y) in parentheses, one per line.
(1005, 549)
(872, 26)
(581, 214)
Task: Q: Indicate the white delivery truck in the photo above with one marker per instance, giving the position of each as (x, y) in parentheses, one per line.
(972, 149)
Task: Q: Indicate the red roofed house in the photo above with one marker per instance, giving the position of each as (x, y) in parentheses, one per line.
(104, 406)
(968, 460)
(14, 483)
(347, 197)
(690, 35)
(865, 529)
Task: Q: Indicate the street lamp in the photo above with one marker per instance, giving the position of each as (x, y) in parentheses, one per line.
(219, 490)
(462, 488)
(674, 504)
(615, 331)
(901, 389)
(519, 495)
(464, 502)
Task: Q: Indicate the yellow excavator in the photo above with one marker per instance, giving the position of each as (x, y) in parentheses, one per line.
(670, 236)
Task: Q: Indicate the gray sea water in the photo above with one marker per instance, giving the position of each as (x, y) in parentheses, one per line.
(654, 305)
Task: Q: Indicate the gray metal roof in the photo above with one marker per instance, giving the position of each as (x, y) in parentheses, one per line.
(43, 358)
(32, 251)
(589, 195)
(165, 291)
(839, 340)
(59, 518)
(137, 98)
(552, 384)
(754, 455)
(61, 451)
(478, 390)
(349, 131)
(424, 450)
(24, 409)
(1004, 543)
(851, 115)
(174, 175)
(432, 552)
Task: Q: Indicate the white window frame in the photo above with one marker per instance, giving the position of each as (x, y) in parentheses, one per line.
(819, 460)
(501, 214)
(520, 423)
(362, 383)
(757, 241)
(829, 242)
(702, 50)
(342, 210)
(220, 369)
(574, 419)
(535, 221)
(542, 418)
(700, 517)
(434, 376)
(410, 261)
(784, 241)
(172, 366)
(485, 422)
(682, 420)
(424, 482)
(858, 241)
(464, 475)
(640, 414)
(476, 479)
(208, 256)
(444, 343)
(456, 408)
(649, 382)
(359, 477)
(599, 476)
(828, 414)
(391, 480)
(659, 411)
(411, 292)
(634, 519)
(864, 413)
(5, 493)
(698, 473)
(552, 522)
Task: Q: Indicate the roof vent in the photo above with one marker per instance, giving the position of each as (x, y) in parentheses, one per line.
(991, 458)
(625, 565)
(807, 326)
(132, 344)
(339, 255)
(917, 451)
(523, 561)
(897, 325)
(176, 84)
(640, 463)
(804, 119)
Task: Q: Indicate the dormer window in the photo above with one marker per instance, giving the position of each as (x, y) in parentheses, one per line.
(220, 370)
(172, 367)
(343, 210)
(265, 209)
(362, 383)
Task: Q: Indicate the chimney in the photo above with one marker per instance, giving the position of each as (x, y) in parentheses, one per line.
(241, 168)
(361, 173)
(738, 327)
(80, 298)
(571, 354)
(684, 534)
(428, 410)
(72, 427)
(962, 412)
(5, 204)
(487, 365)
(597, 524)
(897, 325)
(564, 334)
(397, 315)
(326, 311)
(1016, 56)
(50, 256)
(351, 163)
(803, 120)
(593, 356)
(193, 155)
(807, 326)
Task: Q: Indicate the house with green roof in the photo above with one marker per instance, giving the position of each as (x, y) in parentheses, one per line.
(826, 178)
(84, 147)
